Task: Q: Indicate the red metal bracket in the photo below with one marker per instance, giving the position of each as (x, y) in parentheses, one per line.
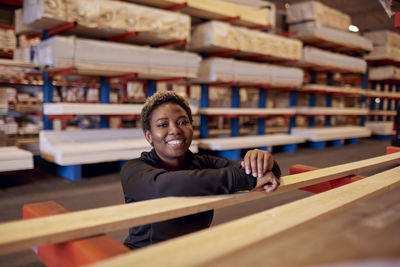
(287, 34)
(123, 76)
(397, 20)
(122, 36)
(177, 6)
(257, 57)
(6, 26)
(63, 28)
(62, 72)
(172, 79)
(261, 27)
(172, 43)
(260, 86)
(229, 19)
(222, 53)
(4, 54)
(11, 3)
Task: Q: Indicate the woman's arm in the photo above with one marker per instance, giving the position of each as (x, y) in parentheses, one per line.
(141, 181)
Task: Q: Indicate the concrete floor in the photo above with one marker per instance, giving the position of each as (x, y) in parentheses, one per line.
(18, 188)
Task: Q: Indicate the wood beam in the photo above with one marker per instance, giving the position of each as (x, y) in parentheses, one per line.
(20, 235)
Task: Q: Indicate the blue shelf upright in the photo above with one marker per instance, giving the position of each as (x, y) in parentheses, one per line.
(204, 103)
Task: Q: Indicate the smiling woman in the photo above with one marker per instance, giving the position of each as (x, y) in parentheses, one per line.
(171, 169)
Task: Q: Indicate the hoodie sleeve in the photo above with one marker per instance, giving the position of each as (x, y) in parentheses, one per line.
(142, 181)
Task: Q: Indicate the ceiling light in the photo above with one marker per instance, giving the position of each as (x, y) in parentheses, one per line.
(353, 28)
(287, 5)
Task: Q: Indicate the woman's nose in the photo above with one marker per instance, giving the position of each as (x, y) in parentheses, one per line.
(174, 129)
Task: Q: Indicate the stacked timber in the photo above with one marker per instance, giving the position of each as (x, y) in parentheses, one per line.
(219, 9)
(326, 60)
(13, 158)
(228, 70)
(218, 36)
(384, 73)
(386, 45)
(106, 18)
(91, 56)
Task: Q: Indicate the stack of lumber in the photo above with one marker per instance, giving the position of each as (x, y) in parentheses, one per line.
(321, 59)
(218, 10)
(93, 146)
(95, 109)
(13, 158)
(331, 133)
(380, 127)
(3, 101)
(106, 18)
(318, 12)
(254, 141)
(312, 31)
(99, 57)
(8, 42)
(384, 73)
(386, 45)
(315, 22)
(216, 36)
(228, 70)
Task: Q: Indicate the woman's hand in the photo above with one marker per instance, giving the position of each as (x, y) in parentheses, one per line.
(257, 162)
(267, 182)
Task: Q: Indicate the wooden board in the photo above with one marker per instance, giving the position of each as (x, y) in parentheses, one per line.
(20, 235)
(331, 133)
(15, 63)
(330, 111)
(215, 246)
(13, 159)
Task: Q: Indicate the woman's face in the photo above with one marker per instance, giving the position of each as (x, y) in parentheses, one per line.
(171, 132)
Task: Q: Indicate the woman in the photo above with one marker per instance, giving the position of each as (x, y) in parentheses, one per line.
(171, 169)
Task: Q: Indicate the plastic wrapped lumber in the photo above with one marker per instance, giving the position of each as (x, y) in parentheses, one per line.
(313, 31)
(228, 70)
(313, 10)
(384, 73)
(216, 36)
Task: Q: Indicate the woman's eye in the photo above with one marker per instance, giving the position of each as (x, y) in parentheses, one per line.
(184, 122)
(162, 125)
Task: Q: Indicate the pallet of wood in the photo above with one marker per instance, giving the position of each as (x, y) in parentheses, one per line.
(240, 242)
(338, 40)
(318, 12)
(319, 59)
(384, 73)
(380, 127)
(107, 58)
(105, 18)
(215, 36)
(239, 14)
(229, 70)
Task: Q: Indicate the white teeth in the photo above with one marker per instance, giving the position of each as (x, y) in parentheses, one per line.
(175, 142)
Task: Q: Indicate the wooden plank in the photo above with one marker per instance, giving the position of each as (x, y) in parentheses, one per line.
(20, 235)
(15, 63)
(216, 245)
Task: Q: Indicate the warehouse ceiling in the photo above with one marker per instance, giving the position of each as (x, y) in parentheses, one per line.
(367, 15)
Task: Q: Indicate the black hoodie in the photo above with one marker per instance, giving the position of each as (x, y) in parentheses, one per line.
(145, 178)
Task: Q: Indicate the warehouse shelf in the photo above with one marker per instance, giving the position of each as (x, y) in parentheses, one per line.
(71, 149)
(317, 111)
(260, 112)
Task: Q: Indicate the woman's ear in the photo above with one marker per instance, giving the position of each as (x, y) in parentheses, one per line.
(148, 136)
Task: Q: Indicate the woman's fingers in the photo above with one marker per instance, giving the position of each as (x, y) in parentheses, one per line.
(257, 162)
(272, 183)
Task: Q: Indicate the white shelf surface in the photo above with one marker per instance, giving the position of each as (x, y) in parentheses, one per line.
(253, 141)
(331, 133)
(247, 111)
(330, 111)
(13, 158)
